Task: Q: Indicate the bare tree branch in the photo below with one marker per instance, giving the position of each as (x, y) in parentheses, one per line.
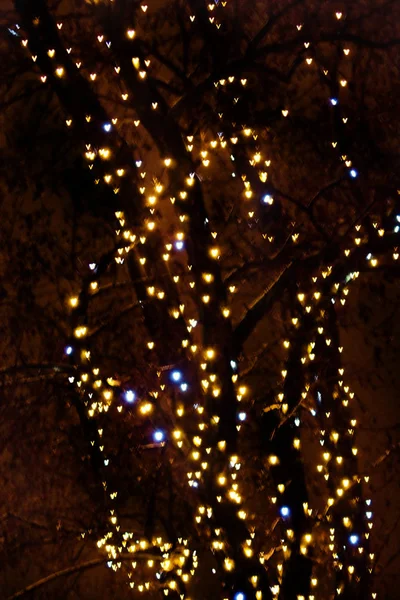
(90, 564)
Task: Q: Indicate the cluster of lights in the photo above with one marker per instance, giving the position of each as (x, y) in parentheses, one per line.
(202, 405)
(344, 485)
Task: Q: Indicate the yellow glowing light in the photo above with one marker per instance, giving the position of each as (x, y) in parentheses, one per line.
(146, 408)
(80, 331)
(229, 564)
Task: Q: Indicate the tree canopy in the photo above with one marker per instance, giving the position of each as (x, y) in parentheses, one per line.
(200, 247)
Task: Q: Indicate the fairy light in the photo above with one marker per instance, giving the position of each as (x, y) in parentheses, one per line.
(176, 376)
(130, 396)
(158, 436)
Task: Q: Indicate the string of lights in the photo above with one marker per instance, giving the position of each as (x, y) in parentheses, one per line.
(165, 238)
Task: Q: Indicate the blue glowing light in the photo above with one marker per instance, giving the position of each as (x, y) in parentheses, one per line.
(179, 245)
(239, 596)
(242, 416)
(176, 376)
(234, 364)
(354, 539)
(107, 127)
(184, 387)
(268, 199)
(69, 350)
(285, 511)
(158, 436)
(334, 101)
(130, 396)
(353, 173)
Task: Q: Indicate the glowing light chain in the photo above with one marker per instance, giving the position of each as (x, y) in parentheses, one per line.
(104, 389)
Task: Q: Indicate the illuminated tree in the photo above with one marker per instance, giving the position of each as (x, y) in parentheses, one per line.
(238, 152)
